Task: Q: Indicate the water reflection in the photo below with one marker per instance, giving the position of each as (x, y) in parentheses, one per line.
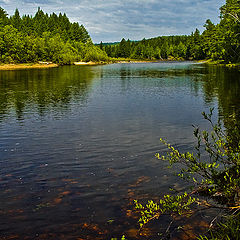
(57, 88)
(223, 84)
(75, 173)
(43, 90)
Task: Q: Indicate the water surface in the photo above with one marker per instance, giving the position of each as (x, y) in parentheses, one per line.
(77, 143)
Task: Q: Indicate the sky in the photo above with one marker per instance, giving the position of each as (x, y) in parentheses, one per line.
(111, 20)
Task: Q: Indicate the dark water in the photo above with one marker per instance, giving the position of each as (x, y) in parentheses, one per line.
(77, 143)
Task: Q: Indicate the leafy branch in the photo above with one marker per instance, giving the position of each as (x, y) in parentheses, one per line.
(216, 176)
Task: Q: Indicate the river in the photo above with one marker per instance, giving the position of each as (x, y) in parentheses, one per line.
(77, 143)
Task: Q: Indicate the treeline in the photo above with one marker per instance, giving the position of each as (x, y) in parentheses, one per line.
(44, 37)
(217, 42)
(155, 48)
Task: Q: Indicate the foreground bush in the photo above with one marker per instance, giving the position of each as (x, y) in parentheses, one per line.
(216, 176)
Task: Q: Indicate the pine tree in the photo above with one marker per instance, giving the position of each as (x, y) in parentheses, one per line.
(16, 20)
(230, 26)
(3, 17)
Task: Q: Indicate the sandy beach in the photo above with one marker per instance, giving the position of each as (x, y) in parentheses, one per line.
(26, 66)
(88, 63)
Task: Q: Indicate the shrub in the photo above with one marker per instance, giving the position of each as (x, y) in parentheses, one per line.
(216, 176)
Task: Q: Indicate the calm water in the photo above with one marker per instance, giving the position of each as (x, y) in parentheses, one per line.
(77, 143)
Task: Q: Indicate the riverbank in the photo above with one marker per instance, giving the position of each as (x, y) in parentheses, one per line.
(113, 61)
(136, 61)
(89, 63)
(130, 60)
(220, 63)
(206, 61)
(19, 66)
(43, 65)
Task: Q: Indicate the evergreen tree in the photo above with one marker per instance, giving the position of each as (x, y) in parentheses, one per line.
(45, 38)
(230, 26)
(122, 51)
(16, 20)
(101, 45)
(3, 17)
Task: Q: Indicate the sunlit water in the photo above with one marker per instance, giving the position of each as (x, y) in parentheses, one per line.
(77, 143)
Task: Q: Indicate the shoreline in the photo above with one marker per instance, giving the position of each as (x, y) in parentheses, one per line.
(220, 63)
(19, 66)
(127, 60)
(89, 63)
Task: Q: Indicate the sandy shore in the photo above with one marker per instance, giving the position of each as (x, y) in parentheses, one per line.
(26, 66)
(137, 61)
(88, 63)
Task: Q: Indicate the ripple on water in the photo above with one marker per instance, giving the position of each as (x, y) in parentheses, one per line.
(77, 144)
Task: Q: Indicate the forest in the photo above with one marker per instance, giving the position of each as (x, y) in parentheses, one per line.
(220, 42)
(44, 37)
(54, 38)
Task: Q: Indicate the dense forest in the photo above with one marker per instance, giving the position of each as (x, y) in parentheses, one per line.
(44, 37)
(217, 42)
(54, 38)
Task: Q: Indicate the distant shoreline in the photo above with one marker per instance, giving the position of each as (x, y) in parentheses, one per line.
(19, 66)
(43, 65)
(89, 63)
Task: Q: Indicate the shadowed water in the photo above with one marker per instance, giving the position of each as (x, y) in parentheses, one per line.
(77, 143)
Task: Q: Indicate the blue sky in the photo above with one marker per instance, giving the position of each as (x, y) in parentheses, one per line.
(111, 20)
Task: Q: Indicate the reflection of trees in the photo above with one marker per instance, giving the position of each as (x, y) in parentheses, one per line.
(216, 82)
(185, 75)
(224, 84)
(44, 89)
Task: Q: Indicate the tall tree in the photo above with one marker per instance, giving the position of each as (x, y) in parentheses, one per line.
(3, 17)
(230, 26)
(16, 20)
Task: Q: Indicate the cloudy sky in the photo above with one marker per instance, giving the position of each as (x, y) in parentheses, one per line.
(111, 20)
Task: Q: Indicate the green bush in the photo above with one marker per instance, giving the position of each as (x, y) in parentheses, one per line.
(217, 176)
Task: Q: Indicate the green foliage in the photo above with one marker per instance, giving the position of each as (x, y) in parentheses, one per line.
(217, 42)
(213, 170)
(122, 238)
(3, 17)
(45, 38)
(93, 53)
(167, 205)
(156, 48)
(218, 174)
(222, 42)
